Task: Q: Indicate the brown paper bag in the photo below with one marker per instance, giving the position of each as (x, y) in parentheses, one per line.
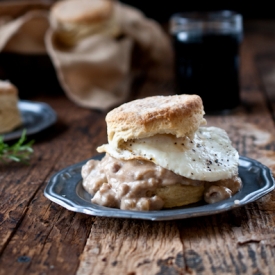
(98, 70)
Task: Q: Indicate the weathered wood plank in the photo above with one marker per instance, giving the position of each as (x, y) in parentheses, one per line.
(121, 246)
(219, 244)
(37, 234)
(40, 237)
(215, 244)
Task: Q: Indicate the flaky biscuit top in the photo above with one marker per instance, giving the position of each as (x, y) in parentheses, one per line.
(179, 115)
(7, 88)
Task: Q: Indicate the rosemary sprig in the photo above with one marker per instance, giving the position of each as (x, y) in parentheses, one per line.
(18, 152)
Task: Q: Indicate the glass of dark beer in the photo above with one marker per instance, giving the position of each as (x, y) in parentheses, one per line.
(207, 58)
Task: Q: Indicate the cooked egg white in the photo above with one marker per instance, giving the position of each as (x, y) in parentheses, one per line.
(209, 156)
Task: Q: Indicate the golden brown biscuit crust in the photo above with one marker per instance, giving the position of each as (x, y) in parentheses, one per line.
(73, 20)
(9, 113)
(8, 88)
(82, 11)
(178, 194)
(179, 115)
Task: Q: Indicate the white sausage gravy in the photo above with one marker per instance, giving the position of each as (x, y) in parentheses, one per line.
(132, 184)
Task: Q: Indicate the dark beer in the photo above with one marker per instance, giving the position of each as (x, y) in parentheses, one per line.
(207, 61)
(208, 65)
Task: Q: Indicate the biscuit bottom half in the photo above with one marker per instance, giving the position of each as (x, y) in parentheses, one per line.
(10, 117)
(142, 185)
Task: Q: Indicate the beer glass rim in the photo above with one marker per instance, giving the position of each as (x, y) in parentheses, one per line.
(206, 15)
(221, 20)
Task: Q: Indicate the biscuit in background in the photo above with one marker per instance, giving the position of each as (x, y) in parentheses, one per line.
(73, 20)
(10, 117)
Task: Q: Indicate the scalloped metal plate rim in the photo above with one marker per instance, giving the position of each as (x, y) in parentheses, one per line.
(65, 188)
(36, 116)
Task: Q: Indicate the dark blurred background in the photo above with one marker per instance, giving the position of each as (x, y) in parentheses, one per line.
(39, 66)
(162, 10)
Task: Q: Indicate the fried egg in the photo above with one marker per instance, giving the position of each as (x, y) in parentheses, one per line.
(209, 156)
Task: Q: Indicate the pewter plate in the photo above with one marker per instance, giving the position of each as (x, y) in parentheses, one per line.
(65, 188)
(36, 117)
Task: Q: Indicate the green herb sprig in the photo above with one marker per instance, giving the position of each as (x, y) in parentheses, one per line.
(18, 152)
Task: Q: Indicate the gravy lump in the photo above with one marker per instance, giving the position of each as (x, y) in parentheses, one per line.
(132, 184)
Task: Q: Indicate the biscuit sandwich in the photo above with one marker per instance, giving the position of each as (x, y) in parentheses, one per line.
(73, 20)
(160, 154)
(10, 117)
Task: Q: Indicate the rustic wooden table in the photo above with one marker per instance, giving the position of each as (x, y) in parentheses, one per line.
(38, 236)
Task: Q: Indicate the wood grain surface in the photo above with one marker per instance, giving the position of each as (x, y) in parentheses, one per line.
(38, 236)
